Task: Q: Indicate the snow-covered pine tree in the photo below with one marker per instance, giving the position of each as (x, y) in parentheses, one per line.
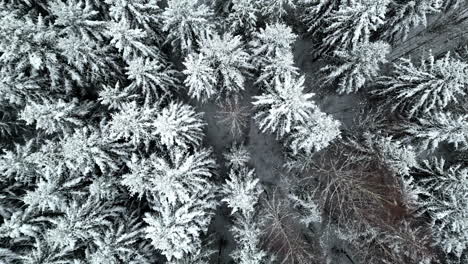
(283, 106)
(130, 41)
(356, 67)
(406, 15)
(220, 67)
(87, 148)
(115, 97)
(152, 79)
(241, 191)
(430, 86)
(121, 242)
(237, 157)
(276, 9)
(133, 124)
(247, 233)
(440, 127)
(447, 190)
(317, 12)
(179, 124)
(314, 134)
(266, 45)
(243, 16)
(176, 230)
(172, 180)
(77, 17)
(55, 116)
(139, 14)
(186, 21)
(353, 23)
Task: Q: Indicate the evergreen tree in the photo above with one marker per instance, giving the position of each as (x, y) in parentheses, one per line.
(176, 230)
(406, 15)
(150, 78)
(283, 106)
(222, 64)
(446, 188)
(172, 180)
(353, 23)
(186, 22)
(266, 44)
(424, 88)
(55, 117)
(179, 125)
(241, 191)
(243, 15)
(315, 134)
(438, 128)
(358, 66)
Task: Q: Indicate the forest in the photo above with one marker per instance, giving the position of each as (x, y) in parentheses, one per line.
(234, 131)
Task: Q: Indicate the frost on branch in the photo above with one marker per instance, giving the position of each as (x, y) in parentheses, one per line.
(283, 106)
(357, 66)
(428, 87)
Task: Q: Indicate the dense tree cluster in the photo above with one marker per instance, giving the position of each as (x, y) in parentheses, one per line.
(144, 131)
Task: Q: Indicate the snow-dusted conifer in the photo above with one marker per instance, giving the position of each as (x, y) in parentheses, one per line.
(179, 124)
(315, 133)
(173, 180)
(114, 97)
(55, 116)
(357, 66)
(86, 148)
(247, 233)
(225, 57)
(276, 9)
(243, 15)
(201, 78)
(283, 105)
(407, 15)
(175, 230)
(241, 191)
(447, 188)
(77, 17)
(427, 87)
(441, 127)
(150, 78)
(132, 123)
(237, 157)
(353, 23)
(267, 43)
(79, 222)
(186, 22)
(130, 41)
